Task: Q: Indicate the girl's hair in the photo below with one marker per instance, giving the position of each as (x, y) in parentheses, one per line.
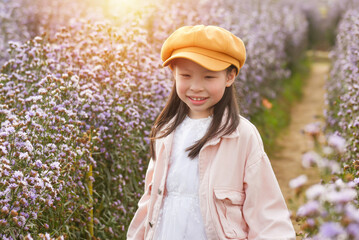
(177, 110)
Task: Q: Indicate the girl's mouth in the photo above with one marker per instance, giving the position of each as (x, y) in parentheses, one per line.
(198, 100)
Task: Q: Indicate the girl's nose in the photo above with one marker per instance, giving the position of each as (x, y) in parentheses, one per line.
(196, 86)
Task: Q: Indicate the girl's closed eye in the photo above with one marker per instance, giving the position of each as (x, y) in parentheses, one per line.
(185, 75)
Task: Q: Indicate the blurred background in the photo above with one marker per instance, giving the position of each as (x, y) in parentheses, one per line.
(81, 84)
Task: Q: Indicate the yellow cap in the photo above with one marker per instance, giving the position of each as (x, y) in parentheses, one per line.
(212, 47)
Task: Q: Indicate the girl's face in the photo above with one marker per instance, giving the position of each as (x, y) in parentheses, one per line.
(199, 87)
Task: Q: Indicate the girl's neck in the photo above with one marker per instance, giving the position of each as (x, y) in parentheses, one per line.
(199, 117)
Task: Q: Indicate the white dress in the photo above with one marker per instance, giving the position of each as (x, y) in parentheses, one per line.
(180, 216)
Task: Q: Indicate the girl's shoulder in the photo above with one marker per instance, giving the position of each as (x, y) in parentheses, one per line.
(248, 130)
(246, 125)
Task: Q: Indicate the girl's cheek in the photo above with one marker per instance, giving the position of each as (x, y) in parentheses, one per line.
(215, 88)
(179, 88)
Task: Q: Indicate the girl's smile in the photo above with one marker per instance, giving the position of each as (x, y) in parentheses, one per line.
(199, 87)
(198, 100)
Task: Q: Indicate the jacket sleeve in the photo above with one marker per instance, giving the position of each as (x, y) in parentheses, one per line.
(136, 230)
(264, 209)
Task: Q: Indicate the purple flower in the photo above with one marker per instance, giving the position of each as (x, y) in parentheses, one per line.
(18, 174)
(23, 156)
(337, 142)
(13, 186)
(298, 181)
(353, 230)
(38, 164)
(10, 130)
(34, 215)
(342, 196)
(330, 230)
(5, 210)
(29, 146)
(313, 129)
(28, 237)
(311, 208)
(315, 191)
(309, 159)
(3, 149)
(311, 222)
(4, 134)
(352, 212)
(55, 165)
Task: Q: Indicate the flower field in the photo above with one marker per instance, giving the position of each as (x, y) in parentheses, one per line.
(331, 210)
(80, 89)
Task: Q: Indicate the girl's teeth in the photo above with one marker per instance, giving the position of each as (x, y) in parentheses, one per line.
(198, 99)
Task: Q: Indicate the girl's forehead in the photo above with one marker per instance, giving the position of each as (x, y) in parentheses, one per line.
(186, 64)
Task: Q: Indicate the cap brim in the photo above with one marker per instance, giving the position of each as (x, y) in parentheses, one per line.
(206, 62)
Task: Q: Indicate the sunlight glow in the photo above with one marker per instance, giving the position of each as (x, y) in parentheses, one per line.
(123, 7)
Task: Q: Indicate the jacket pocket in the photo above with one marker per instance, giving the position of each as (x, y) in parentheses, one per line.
(229, 206)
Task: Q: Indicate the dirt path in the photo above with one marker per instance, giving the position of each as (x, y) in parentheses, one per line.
(293, 142)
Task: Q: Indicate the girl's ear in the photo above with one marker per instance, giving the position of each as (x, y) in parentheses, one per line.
(231, 77)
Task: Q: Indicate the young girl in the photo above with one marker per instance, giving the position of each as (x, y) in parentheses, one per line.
(209, 177)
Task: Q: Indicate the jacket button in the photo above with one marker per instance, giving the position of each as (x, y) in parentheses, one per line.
(150, 224)
(159, 191)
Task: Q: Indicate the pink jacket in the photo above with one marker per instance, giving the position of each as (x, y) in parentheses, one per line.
(239, 195)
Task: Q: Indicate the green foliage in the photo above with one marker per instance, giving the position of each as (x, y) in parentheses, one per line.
(271, 120)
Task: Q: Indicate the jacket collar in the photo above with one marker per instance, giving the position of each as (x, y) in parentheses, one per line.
(167, 143)
(216, 139)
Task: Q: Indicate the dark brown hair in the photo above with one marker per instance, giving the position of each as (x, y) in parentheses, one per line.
(177, 110)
